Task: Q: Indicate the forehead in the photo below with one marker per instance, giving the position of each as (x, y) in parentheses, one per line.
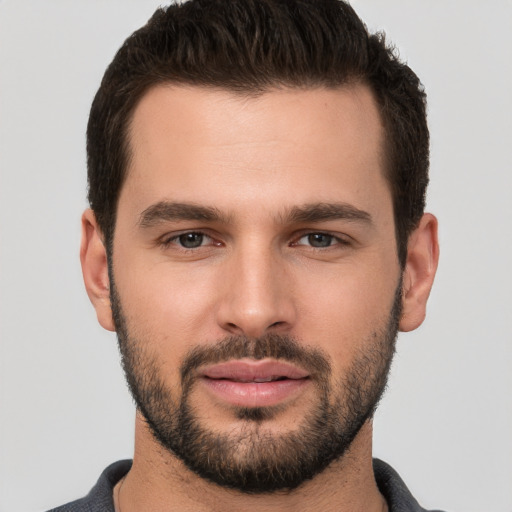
(212, 146)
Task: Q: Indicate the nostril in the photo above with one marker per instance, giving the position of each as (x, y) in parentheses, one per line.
(276, 324)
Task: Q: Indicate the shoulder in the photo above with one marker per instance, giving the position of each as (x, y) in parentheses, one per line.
(393, 488)
(99, 498)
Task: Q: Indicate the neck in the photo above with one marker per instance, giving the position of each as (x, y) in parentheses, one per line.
(158, 481)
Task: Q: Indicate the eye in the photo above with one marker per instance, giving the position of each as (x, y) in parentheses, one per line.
(189, 240)
(320, 240)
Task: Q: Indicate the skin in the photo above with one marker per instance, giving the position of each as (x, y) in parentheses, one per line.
(254, 160)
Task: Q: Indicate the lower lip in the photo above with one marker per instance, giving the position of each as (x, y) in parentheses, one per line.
(255, 394)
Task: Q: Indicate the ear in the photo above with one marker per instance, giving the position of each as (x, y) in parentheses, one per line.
(93, 257)
(419, 272)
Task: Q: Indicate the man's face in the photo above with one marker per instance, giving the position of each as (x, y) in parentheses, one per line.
(255, 279)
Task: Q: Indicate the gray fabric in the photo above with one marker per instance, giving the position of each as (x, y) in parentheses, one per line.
(392, 487)
(100, 498)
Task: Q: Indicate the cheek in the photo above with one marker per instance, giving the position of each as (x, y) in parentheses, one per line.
(166, 307)
(342, 311)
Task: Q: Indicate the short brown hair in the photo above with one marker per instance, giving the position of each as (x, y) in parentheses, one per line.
(251, 46)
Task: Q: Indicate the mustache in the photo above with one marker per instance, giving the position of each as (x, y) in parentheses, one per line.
(273, 346)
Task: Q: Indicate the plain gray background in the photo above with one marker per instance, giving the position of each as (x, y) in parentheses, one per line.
(65, 413)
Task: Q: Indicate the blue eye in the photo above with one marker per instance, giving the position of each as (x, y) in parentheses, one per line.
(321, 240)
(191, 241)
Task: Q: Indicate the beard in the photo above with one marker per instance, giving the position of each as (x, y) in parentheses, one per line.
(253, 459)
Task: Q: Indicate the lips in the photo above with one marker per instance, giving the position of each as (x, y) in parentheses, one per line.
(250, 371)
(252, 383)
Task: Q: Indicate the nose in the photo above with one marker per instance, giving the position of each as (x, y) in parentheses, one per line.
(258, 295)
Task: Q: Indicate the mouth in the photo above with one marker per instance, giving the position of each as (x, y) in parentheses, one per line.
(250, 383)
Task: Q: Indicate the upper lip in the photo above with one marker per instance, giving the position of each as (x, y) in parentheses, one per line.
(250, 370)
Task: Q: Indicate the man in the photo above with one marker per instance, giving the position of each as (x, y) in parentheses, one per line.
(256, 238)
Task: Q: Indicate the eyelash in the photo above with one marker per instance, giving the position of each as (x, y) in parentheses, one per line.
(167, 242)
(338, 241)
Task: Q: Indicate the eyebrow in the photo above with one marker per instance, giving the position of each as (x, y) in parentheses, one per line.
(319, 212)
(168, 211)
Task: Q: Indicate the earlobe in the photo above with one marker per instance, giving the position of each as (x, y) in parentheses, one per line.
(93, 257)
(419, 272)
